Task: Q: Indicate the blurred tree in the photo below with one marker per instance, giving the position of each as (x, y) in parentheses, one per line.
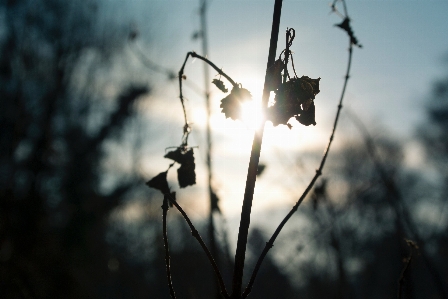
(355, 244)
(55, 122)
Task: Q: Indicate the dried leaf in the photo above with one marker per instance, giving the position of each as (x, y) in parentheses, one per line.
(175, 155)
(275, 75)
(159, 182)
(307, 117)
(294, 98)
(231, 104)
(220, 85)
(186, 174)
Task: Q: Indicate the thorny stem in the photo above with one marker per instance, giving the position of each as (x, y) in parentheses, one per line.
(271, 241)
(197, 236)
(253, 164)
(167, 251)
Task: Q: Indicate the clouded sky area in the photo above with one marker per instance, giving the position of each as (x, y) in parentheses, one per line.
(404, 49)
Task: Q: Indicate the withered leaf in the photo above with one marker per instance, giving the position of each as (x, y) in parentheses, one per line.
(185, 173)
(175, 155)
(307, 117)
(159, 182)
(220, 85)
(275, 75)
(231, 104)
(293, 98)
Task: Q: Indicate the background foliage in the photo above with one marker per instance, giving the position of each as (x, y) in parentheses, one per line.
(66, 225)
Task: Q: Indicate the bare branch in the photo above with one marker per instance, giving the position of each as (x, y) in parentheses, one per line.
(167, 251)
(197, 236)
(271, 241)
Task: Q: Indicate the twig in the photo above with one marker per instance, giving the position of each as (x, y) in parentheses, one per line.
(167, 251)
(197, 236)
(181, 77)
(271, 241)
(208, 136)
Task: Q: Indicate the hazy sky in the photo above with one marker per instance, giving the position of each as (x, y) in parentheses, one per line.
(404, 45)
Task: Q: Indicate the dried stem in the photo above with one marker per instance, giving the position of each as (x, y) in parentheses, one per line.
(181, 77)
(271, 241)
(253, 164)
(167, 251)
(197, 236)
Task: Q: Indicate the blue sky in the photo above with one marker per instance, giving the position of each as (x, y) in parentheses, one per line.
(404, 44)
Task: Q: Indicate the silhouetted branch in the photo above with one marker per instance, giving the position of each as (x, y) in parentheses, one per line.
(167, 251)
(197, 236)
(182, 76)
(271, 241)
(253, 163)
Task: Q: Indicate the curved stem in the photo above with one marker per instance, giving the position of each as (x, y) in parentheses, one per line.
(197, 236)
(271, 241)
(181, 77)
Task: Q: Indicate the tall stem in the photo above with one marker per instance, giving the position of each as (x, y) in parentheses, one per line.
(253, 165)
(211, 227)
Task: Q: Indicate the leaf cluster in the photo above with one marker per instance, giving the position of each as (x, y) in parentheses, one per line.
(294, 98)
(185, 173)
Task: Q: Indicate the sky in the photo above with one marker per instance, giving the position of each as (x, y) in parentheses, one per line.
(403, 53)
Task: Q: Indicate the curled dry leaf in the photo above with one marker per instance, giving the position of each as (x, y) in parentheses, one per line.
(159, 182)
(295, 98)
(220, 85)
(186, 172)
(231, 104)
(275, 75)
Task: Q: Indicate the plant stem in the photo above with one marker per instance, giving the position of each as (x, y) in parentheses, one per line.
(197, 236)
(253, 165)
(208, 134)
(271, 241)
(167, 251)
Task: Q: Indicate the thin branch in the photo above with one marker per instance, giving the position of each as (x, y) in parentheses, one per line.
(271, 241)
(197, 236)
(194, 55)
(181, 77)
(138, 52)
(167, 251)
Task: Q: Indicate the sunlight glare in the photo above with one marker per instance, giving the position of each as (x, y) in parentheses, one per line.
(251, 114)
